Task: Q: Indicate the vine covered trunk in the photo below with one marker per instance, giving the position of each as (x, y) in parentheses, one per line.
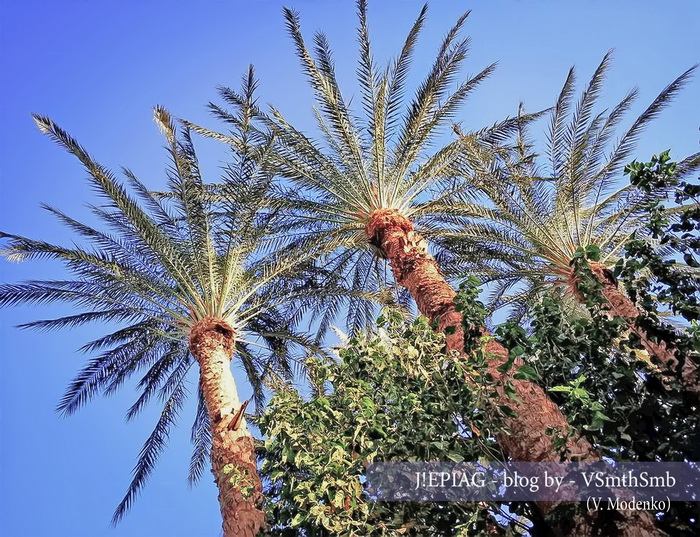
(622, 306)
(416, 270)
(233, 450)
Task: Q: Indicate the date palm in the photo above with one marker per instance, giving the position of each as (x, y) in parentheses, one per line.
(521, 229)
(187, 282)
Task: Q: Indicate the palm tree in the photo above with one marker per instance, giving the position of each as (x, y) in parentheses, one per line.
(520, 229)
(186, 280)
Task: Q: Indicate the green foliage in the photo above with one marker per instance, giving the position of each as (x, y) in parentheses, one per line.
(628, 411)
(652, 272)
(398, 397)
(239, 479)
(610, 394)
(473, 313)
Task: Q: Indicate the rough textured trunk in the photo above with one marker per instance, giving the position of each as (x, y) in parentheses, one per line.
(415, 269)
(622, 306)
(233, 449)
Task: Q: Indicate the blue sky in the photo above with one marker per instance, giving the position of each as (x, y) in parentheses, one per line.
(98, 68)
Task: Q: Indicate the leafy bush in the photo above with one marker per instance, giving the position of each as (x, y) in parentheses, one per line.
(397, 397)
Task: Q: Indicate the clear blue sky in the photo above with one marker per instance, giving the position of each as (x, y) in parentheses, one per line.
(97, 68)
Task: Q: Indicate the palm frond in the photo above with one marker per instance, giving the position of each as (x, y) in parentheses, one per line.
(201, 442)
(151, 450)
(517, 226)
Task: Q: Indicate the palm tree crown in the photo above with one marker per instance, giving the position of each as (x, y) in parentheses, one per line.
(161, 265)
(382, 161)
(524, 221)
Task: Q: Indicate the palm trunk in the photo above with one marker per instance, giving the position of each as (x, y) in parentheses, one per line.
(233, 449)
(416, 270)
(622, 306)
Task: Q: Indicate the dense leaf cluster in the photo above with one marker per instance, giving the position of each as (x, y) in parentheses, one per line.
(397, 397)
(663, 283)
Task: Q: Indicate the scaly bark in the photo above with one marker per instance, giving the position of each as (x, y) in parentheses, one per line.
(622, 306)
(233, 449)
(415, 269)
